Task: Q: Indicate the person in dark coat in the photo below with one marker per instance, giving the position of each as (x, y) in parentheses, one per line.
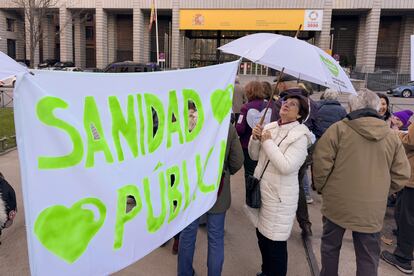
(329, 110)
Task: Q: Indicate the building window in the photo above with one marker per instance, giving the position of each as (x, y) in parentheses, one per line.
(89, 33)
(11, 48)
(10, 24)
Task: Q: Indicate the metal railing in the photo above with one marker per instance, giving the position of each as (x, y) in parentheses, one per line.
(381, 81)
(6, 97)
(7, 143)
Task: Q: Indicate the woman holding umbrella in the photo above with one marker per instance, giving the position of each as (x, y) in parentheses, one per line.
(280, 148)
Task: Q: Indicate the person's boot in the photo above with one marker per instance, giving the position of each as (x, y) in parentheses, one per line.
(390, 258)
(306, 230)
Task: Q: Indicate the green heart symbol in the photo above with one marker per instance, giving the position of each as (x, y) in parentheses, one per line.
(66, 232)
(330, 65)
(221, 102)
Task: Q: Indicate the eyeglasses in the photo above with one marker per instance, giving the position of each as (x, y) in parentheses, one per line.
(290, 104)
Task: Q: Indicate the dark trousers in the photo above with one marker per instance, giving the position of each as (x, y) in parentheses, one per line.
(302, 215)
(249, 165)
(405, 239)
(366, 245)
(397, 208)
(274, 256)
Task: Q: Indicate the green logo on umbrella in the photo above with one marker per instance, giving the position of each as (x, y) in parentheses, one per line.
(330, 65)
(66, 232)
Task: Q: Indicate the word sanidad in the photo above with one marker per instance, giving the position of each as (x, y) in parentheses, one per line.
(142, 138)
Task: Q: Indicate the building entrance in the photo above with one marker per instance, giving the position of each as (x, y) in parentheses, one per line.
(202, 46)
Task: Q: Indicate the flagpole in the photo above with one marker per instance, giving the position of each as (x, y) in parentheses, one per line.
(156, 32)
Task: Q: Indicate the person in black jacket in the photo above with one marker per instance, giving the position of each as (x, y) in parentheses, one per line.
(330, 110)
(8, 206)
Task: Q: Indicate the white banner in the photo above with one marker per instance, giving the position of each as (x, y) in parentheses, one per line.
(86, 142)
(412, 57)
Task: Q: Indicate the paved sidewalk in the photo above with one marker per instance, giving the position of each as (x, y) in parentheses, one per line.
(242, 256)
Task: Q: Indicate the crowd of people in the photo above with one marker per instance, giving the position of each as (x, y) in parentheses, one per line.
(357, 161)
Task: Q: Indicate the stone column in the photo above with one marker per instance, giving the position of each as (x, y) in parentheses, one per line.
(49, 34)
(112, 47)
(146, 37)
(323, 38)
(371, 36)
(183, 50)
(175, 36)
(3, 28)
(138, 33)
(36, 52)
(404, 51)
(80, 46)
(20, 42)
(360, 43)
(66, 40)
(101, 36)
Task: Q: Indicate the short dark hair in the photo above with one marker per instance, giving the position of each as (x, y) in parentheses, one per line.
(303, 106)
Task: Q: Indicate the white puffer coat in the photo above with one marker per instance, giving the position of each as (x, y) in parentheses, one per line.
(279, 186)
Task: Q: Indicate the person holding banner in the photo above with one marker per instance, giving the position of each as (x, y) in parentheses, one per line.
(215, 217)
(280, 148)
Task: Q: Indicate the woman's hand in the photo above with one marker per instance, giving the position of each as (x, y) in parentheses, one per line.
(266, 136)
(257, 132)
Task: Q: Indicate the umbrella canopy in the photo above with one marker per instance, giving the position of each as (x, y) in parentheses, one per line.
(9, 67)
(298, 58)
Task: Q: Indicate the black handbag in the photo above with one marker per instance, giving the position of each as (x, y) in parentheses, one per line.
(253, 196)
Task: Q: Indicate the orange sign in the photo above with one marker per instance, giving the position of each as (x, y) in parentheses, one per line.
(282, 20)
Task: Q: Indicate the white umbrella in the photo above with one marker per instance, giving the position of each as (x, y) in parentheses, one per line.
(297, 57)
(9, 67)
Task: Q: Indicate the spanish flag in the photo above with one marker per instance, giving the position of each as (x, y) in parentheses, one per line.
(153, 15)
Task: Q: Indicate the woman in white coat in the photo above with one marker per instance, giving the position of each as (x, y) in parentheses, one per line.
(284, 144)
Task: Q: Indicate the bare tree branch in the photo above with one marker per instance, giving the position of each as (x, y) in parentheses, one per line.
(34, 11)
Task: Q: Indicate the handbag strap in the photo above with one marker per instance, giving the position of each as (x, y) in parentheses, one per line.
(267, 164)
